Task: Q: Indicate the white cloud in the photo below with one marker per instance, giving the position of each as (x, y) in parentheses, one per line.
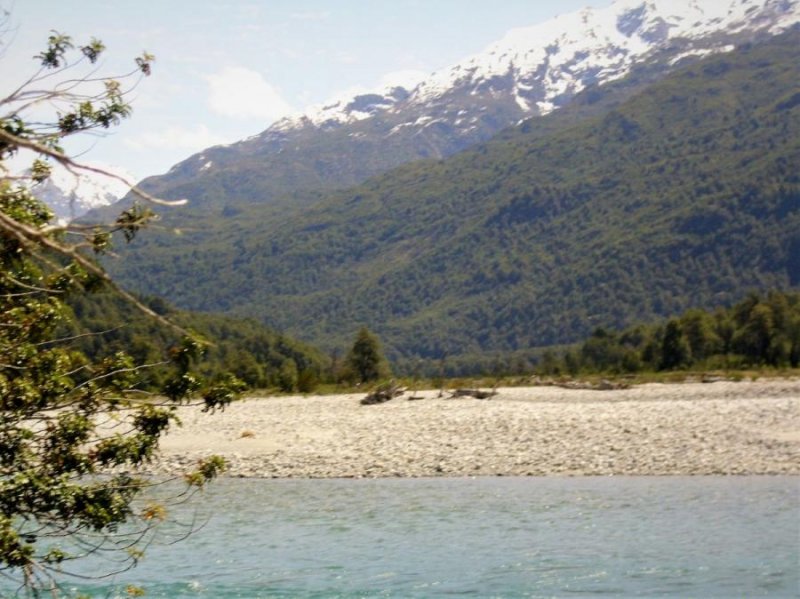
(237, 92)
(181, 138)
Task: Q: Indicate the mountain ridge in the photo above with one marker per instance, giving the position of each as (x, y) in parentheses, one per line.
(678, 195)
(71, 194)
(344, 143)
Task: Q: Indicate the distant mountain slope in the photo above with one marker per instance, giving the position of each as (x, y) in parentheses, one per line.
(530, 72)
(71, 195)
(686, 194)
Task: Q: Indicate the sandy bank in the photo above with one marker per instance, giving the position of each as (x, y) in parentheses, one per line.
(655, 429)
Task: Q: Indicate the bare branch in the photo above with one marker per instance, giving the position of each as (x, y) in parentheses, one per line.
(72, 164)
(28, 235)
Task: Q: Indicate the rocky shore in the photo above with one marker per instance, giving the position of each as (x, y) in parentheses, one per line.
(653, 429)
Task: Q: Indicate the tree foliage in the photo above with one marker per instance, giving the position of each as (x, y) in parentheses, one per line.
(760, 331)
(244, 347)
(629, 208)
(365, 362)
(74, 432)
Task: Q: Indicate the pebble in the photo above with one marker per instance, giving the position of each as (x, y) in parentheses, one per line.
(656, 429)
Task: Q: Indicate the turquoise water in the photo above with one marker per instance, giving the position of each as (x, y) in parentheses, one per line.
(490, 537)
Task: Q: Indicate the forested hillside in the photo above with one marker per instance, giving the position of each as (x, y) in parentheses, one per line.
(246, 348)
(686, 194)
(756, 332)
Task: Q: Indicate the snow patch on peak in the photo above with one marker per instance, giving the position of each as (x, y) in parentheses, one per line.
(700, 52)
(522, 102)
(287, 123)
(348, 108)
(352, 105)
(576, 49)
(538, 68)
(72, 194)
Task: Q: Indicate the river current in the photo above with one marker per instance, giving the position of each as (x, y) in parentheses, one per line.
(484, 537)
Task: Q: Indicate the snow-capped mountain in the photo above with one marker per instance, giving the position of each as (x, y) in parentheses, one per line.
(71, 195)
(541, 67)
(545, 65)
(531, 71)
(655, 191)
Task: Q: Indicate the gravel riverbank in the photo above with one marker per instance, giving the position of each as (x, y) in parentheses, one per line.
(652, 429)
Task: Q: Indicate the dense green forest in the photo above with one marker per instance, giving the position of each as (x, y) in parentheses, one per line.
(257, 355)
(760, 331)
(685, 194)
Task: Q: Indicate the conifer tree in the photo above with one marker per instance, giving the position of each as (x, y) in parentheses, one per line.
(365, 360)
(675, 351)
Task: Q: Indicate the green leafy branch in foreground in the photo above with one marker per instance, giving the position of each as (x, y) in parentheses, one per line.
(76, 433)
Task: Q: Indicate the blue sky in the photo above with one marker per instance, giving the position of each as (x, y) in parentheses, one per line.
(226, 69)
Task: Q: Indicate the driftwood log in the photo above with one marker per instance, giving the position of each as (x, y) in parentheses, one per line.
(476, 393)
(603, 385)
(383, 394)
